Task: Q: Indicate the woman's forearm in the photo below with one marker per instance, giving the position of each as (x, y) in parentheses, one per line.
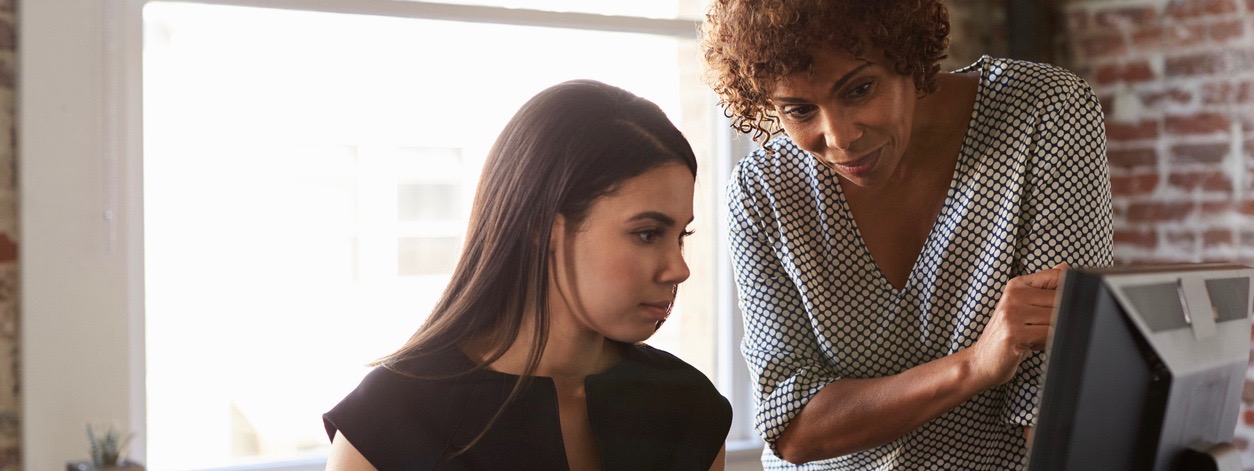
(851, 415)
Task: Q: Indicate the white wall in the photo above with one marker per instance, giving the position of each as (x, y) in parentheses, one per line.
(77, 290)
(81, 228)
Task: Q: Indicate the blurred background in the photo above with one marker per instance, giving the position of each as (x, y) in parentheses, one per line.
(308, 169)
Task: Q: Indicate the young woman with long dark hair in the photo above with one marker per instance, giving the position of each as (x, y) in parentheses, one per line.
(532, 358)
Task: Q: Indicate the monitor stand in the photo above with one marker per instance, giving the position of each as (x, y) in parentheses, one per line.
(1221, 457)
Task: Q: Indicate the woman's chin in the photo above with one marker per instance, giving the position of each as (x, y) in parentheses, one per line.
(632, 336)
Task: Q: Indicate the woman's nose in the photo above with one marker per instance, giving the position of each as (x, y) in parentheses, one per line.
(675, 268)
(840, 132)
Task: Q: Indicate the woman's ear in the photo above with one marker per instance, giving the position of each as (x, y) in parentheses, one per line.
(557, 233)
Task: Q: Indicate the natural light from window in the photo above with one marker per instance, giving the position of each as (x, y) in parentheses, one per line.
(307, 179)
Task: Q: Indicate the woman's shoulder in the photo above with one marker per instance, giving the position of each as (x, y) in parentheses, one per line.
(779, 170)
(1016, 72)
(666, 373)
(391, 408)
(664, 413)
(400, 391)
(652, 357)
(779, 155)
(428, 373)
(1026, 85)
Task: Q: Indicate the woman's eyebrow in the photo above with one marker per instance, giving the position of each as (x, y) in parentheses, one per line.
(839, 83)
(656, 216)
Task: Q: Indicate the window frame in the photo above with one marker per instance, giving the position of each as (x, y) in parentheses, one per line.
(81, 243)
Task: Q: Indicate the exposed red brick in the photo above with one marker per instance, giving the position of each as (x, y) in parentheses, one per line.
(1217, 237)
(1198, 153)
(1211, 208)
(1104, 45)
(1133, 185)
(1226, 31)
(8, 250)
(1196, 8)
(1149, 39)
(1195, 64)
(1207, 181)
(1185, 35)
(1134, 72)
(1139, 238)
(1158, 211)
(1126, 17)
(1247, 393)
(1108, 74)
(1231, 91)
(1221, 92)
(1198, 123)
(1134, 158)
(1131, 131)
(1138, 71)
(1180, 239)
(1158, 98)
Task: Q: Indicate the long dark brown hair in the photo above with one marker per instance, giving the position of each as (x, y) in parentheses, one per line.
(569, 145)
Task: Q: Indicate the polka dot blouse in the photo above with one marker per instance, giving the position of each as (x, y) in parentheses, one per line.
(1030, 190)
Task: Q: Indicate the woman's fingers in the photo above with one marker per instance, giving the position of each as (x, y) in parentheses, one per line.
(1023, 296)
(1044, 279)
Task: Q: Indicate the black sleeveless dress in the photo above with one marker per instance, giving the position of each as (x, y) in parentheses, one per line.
(652, 411)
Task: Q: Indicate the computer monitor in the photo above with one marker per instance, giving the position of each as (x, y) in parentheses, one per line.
(1145, 371)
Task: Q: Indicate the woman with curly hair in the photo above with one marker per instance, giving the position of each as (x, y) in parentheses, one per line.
(897, 249)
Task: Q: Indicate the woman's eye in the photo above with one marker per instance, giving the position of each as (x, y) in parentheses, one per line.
(797, 113)
(648, 236)
(860, 91)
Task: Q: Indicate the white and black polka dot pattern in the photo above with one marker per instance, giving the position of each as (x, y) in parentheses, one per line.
(1031, 190)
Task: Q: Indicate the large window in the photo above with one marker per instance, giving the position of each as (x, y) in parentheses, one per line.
(307, 177)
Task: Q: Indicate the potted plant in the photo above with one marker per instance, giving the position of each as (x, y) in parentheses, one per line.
(108, 451)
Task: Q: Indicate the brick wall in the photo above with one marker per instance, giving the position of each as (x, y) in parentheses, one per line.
(10, 405)
(1176, 79)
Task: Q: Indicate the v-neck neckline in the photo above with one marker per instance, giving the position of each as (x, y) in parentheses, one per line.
(548, 382)
(960, 169)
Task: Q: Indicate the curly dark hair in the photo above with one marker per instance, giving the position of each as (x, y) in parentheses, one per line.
(750, 45)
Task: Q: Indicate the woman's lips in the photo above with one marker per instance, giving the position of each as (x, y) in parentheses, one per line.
(658, 312)
(862, 166)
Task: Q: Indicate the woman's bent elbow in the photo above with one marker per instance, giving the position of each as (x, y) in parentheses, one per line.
(792, 451)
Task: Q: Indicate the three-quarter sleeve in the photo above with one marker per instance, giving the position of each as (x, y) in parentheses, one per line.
(779, 345)
(1067, 211)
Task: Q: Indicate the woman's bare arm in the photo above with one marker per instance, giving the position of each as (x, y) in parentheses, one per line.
(851, 414)
(720, 461)
(345, 457)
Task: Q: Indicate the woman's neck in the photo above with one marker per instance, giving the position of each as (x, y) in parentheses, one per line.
(570, 352)
(940, 122)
